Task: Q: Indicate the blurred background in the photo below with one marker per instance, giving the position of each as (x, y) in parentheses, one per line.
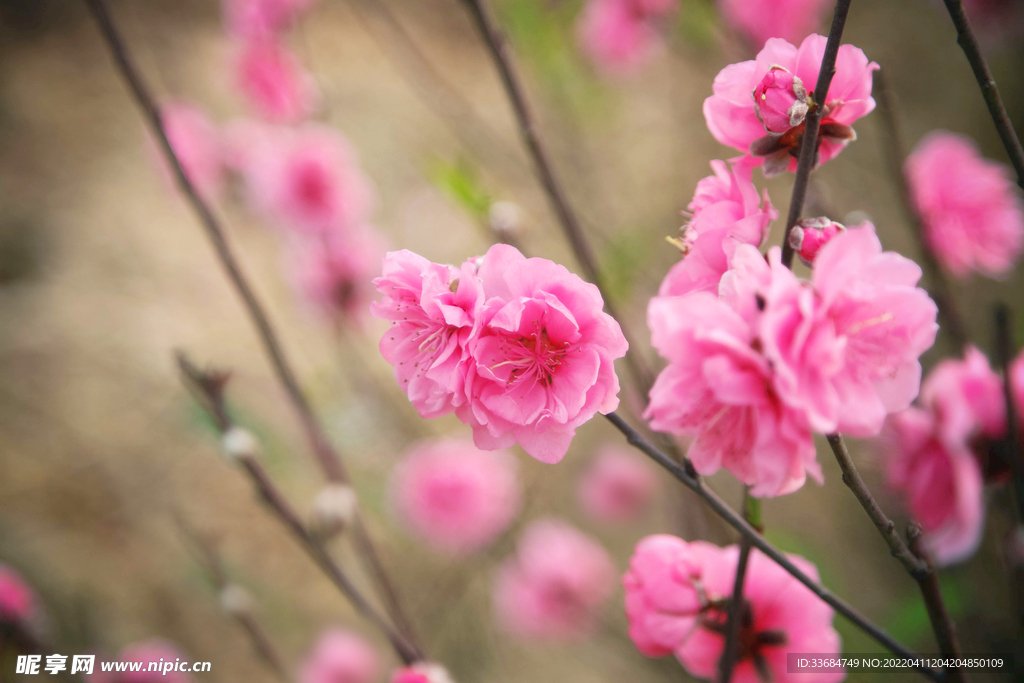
(104, 273)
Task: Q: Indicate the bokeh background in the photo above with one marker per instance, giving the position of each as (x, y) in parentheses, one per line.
(104, 272)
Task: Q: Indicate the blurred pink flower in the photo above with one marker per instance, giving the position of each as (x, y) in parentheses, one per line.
(732, 119)
(554, 586)
(966, 398)
(432, 309)
(17, 600)
(942, 482)
(274, 82)
(617, 487)
(454, 496)
(620, 35)
(811, 234)
(1017, 384)
(261, 18)
(197, 143)
(726, 211)
(307, 179)
(152, 651)
(718, 388)
(972, 214)
(759, 20)
(340, 656)
(336, 273)
(543, 356)
(422, 672)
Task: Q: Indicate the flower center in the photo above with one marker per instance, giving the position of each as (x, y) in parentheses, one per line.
(535, 356)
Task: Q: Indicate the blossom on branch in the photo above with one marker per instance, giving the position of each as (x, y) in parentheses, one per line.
(620, 35)
(759, 20)
(340, 656)
(274, 82)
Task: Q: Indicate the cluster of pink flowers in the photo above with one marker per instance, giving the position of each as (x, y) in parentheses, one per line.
(971, 213)
(340, 656)
(519, 349)
(759, 20)
(941, 453)
(677, 600)
(617, 487)
(621, 35)
(555, 585)
(454, 496)
(759, 106)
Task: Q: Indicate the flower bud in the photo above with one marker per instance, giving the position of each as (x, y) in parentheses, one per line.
(334, 510)
(422, 672)
(235, 600)
(239, 443)
(809, 235)
(505, 218)
(780, 100)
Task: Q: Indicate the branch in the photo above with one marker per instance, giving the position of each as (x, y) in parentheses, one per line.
(969, 44)
(809, 142)
(329, 459)
(634, 438)
(734, 621)
(1011, 445)
(942, 625)
(895, 154)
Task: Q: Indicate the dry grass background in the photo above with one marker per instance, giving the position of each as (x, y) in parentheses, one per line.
(103, 273)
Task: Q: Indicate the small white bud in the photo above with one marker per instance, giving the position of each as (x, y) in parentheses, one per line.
(240, 443)
(505, 218)
(334, 510)
(235, 600)
(434, 672)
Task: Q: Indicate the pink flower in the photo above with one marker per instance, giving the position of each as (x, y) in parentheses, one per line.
(340, 656)
(663, 598)
(811, 234)
(620, 35)
(336, 272)
(942, 481)
(726, 212)
(197, 144)
(17, 600)
(966, 398)
(760, 20)
(718, 388)
(422, 672)
(973, 216)
(432, 309)
(1016, 380)
(732, 119)
(555, 585)
(543, 353)
(274, 83)
(308, 180)
(780, 100)
(261, 18)
(455, 496)
(160, 654)
(617, 487)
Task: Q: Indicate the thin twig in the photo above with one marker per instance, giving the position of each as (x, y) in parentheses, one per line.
(808, 152)
(196, 381)
(328, 458)
(634, 438)
(734, 623)
(969, 44)
(1010, 446)
(895, 154)
(942, 625)
(498, 47)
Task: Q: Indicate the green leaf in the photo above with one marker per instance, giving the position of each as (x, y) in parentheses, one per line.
(459, 181)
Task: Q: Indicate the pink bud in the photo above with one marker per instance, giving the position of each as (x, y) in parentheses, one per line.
(809, 235)
(17, 601)
(780, 100)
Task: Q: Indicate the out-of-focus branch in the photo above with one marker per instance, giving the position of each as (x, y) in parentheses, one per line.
(1010, 446)
(895, 155)
(208, 388)
(942, 625)
(969, 44)
(808, 152)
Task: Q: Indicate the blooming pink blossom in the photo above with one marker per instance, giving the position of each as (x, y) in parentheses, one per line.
(261, 18)
(17, 600)
(159, 652)
(718, 388)
(966, 397)
(340, 656)
(732, 119)
(307, 179)
(197, 144)
(617, 487)
(760, 20)
(809, 235)
(432, 309)
(422, 672)
(942, 482)
(620, 35)
(543, 355)
(973, 217)
(555, 585)
(726, 211)
(677, 596)
(336, 272)
(455, 496)
(274, 82)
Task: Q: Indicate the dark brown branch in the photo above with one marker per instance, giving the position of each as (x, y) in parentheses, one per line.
(328, 458)
(734, 623)
(895, 155)
(809, 142)
(942, 625)
(969, 44)
(634, 438)
(1010, 445)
